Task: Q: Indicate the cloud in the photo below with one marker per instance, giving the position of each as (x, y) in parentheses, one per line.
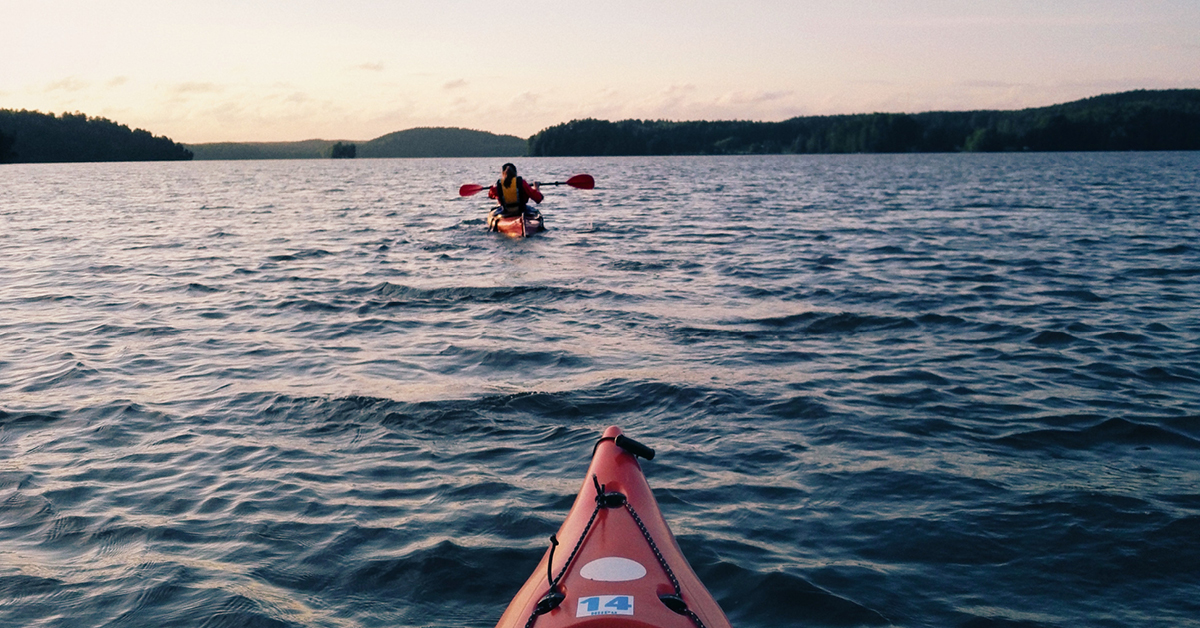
(674, 97)
(117, 81)
(371, 67)
(753, 98)
(69, 84)
(526, 99)
(455, 84)
(196, 88)
(991, 84)
(1032, 19)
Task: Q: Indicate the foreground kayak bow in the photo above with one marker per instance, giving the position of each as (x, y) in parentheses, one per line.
(619, 565)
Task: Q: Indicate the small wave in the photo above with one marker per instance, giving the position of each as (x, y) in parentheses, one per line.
(1158, 272)
(431, 574)
(799, 407)
(124, 330)
(852, 323)
(636, 266)
(74, 373)
(930, 320)
(15, 588)
(910, 399)
(400, 295)
(1081, 296)
(825, 323)
(1110, 371)
(509, 360)
(300, 255)
(108, 269)
(1122, 337)
(201, 288)
(1170, 375)
(1121, 432)
(14, 420)
(908, 377)
(616, 400)
(1053, 339)
(307, 305)
(778, 598)
(982, 278)
(150, 247)
(52, 298)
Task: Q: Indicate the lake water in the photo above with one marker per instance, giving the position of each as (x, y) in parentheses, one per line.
(911, 390)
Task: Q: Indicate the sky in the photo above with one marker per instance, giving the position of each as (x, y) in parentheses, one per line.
(276, 70)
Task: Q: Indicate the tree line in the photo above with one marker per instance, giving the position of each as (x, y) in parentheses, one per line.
(35, 137)
(1138, 120)
(417, 142)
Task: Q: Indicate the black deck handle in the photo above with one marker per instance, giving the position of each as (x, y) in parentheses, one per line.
(634, 447)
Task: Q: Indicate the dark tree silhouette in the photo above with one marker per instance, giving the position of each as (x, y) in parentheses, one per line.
(343, 151)
(42, 137)
(6, 144)
(1138, 120)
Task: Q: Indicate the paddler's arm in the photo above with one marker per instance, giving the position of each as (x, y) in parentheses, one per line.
(534, 193)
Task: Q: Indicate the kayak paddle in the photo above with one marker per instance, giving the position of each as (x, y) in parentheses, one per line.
(471, 189)
(581, 181)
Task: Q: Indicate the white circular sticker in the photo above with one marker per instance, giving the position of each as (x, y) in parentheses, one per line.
(613, 569)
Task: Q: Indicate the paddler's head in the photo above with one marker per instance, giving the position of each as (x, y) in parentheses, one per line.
(508, 171)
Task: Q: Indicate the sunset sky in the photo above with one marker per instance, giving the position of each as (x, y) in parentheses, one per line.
(229, 70)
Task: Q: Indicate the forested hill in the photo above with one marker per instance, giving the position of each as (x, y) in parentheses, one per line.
(1137, 120)
(35, 137)
(444, 142)
(419, 142)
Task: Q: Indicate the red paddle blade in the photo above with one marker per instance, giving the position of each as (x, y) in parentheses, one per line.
(471, 189)
(582, 181)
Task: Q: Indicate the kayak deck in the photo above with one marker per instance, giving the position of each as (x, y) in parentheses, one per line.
(614, 562)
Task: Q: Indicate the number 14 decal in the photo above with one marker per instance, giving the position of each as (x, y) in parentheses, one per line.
(605, 605)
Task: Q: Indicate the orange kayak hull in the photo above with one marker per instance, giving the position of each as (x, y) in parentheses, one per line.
(614, 579)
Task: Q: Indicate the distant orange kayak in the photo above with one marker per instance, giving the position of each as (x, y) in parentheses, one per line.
(516, 226)
(614, 562)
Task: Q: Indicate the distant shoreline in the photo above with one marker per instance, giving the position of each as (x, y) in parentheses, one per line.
(419, 142)
(1141, 120)
(1129, 121)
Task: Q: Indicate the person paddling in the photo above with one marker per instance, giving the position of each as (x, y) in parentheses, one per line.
(513, 195)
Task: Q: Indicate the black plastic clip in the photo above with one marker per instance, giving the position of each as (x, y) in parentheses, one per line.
(607, 500)
(549, 602)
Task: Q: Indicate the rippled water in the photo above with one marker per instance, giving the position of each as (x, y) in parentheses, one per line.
(929, 390)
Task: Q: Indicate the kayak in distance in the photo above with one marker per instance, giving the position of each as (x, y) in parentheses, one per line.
(614, 562)
(531, 221)
(521, 226)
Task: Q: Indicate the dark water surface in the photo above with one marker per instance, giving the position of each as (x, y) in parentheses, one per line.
(948, 390)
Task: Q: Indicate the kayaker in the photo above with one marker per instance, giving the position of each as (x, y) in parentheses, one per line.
(513, 193)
